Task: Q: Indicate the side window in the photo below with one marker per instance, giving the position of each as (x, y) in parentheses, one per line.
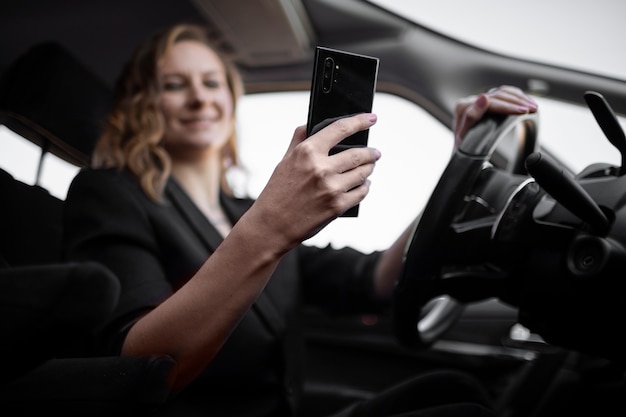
(415, 150)
(20, 158)
(572, 133)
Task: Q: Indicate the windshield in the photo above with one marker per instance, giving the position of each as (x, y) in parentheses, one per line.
(580, 34)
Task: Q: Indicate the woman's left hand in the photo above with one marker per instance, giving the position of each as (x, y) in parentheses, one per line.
(505, 99)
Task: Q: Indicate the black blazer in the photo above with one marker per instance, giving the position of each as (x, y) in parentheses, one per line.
(154, 248)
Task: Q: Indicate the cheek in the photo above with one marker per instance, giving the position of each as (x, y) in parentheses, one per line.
(226, 103)
(168, 106)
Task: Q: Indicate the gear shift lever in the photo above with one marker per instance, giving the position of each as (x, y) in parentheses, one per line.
(605, 116)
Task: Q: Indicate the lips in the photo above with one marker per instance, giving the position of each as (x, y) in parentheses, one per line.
(197, 123)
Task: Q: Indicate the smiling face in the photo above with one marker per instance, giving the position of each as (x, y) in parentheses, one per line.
(195, 100)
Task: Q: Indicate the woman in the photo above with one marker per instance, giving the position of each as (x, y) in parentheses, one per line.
(212, 280)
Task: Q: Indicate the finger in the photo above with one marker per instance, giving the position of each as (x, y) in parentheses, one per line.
(355, 168)
(356, 175)
(298, 137)
(512, 95)
(470, 115)
(356, 194)
(461, 106)
(340, 129)
(509, 105)
(352, 158)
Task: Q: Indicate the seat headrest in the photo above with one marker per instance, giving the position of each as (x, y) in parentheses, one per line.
(52, 99)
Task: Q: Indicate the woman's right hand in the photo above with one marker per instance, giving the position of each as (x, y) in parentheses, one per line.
(309, 187)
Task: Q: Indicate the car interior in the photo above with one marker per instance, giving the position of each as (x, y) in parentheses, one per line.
(53, 305)
(512, 273)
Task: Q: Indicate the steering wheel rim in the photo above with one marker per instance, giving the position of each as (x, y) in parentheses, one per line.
(421, 309)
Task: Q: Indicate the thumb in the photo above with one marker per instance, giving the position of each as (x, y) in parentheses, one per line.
(471, 116)
(299, 135)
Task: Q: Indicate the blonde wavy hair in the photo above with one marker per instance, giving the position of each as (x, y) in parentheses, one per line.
(132, 136)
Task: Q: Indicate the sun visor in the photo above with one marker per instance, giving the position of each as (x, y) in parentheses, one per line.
(52, 99)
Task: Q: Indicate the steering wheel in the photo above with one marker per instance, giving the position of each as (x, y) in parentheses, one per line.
(447, 261)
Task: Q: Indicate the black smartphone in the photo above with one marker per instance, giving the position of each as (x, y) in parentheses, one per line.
(343, 84)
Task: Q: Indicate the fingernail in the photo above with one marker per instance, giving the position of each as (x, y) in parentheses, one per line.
(481, 101)
(372, 117)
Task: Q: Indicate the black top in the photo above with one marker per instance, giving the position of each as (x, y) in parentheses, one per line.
(154, 248)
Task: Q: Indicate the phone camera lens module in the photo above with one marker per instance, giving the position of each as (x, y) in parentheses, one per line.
(329, 65)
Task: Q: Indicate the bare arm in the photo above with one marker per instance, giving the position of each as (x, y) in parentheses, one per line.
(308, 185)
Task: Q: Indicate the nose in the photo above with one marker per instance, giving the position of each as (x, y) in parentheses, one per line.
(199, 95)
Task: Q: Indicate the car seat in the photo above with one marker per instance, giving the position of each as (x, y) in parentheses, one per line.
(50, 309)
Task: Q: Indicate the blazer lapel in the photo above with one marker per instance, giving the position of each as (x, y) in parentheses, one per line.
(190, 212)
(234, 209)
(264, 307)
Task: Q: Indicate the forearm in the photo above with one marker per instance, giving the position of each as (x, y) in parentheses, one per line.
(193, 324)
(390, 264)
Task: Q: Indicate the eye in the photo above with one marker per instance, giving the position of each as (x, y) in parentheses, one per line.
(173, 86)
(212, 83)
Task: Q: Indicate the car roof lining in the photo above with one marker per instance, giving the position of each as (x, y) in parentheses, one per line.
(435, 80)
